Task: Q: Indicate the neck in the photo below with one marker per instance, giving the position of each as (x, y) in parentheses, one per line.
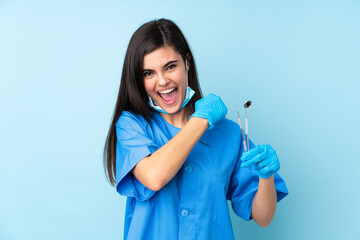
(178, 119)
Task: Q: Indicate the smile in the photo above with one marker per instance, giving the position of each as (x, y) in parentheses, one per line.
(167, 91)
(168, 96)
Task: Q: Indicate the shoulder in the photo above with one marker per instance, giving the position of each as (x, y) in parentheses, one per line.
(228, 128)
(129, 119)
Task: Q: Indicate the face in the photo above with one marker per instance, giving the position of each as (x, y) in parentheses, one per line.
(165, 78)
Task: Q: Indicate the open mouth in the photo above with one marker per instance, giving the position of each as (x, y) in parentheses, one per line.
(168, 96)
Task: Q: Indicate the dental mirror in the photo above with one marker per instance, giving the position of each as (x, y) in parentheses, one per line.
(247, 105)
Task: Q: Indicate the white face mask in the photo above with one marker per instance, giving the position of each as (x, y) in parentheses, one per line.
(189, 94)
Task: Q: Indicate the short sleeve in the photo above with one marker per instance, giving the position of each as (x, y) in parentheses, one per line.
(244, 185)
(133, 144)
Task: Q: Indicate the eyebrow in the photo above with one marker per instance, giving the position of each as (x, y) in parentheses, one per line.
(168, 63)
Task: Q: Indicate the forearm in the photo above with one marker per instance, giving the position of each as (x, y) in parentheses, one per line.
(159, 168)
(264, 203)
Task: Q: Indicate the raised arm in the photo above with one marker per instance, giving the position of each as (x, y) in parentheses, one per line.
(157, 169)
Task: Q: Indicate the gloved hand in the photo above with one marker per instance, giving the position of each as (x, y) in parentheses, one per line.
(210, 107)
(265, 159)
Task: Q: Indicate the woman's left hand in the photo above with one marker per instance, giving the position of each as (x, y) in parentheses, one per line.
(265, 159)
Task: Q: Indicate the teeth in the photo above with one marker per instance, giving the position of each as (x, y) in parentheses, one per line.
(167, 91)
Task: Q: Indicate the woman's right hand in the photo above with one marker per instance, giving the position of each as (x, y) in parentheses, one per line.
(210, 107)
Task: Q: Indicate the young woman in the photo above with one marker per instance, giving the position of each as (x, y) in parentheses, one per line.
(173, 153)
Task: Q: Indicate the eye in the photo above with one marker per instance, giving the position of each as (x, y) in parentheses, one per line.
(171, 66)
(147, 73)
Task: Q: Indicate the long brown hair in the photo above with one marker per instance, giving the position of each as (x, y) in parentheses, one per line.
(132, 95)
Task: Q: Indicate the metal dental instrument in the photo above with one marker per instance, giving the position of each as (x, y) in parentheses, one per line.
(241, 128)
(247, 105)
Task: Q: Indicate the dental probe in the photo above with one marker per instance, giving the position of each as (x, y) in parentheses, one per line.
(241, 128)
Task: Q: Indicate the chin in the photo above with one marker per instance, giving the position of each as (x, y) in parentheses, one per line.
(172, 110)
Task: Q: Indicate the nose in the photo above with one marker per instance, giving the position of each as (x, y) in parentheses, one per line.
(162, 80)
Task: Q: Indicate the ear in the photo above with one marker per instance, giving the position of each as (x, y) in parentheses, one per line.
(188, 62)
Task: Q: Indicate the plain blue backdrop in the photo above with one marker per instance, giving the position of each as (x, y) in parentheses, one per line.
(60, 67)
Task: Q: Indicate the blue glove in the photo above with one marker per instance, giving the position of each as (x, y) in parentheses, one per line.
(265, 159)
(210, 107)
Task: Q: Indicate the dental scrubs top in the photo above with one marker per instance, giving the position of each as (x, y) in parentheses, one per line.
(193, 204)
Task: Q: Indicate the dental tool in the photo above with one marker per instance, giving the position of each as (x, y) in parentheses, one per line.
(241, 128)
(247, 105)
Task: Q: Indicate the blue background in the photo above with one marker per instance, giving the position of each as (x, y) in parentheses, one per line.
(60, 67)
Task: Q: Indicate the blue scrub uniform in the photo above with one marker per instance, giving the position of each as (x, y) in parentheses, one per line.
(193, 205)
